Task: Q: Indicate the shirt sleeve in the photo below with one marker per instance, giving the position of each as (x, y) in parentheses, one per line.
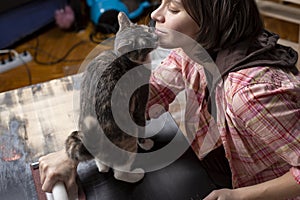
(271, 113)
(165, 83)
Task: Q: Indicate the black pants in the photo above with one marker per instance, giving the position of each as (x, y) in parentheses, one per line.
(186, 178)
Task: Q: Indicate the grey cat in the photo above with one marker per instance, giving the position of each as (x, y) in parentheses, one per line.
(133, 43)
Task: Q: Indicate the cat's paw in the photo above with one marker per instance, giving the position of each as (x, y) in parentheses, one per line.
(101, 167)
(146, 144)
(75, 148)
(130, 177)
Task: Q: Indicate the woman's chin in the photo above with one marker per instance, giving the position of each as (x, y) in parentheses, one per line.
(165, 44)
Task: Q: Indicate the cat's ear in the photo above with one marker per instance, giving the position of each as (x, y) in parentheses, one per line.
(123, 20)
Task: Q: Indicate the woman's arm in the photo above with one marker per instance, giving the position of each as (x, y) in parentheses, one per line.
(270, 113)
(283, 187)
(56, 167)
(166, 82)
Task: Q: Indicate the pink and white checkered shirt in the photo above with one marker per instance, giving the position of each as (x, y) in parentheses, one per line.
(258, 115)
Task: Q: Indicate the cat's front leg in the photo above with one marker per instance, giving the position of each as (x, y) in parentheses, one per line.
(145, 144)
(126, 173)
(101, 167)
(131, 177)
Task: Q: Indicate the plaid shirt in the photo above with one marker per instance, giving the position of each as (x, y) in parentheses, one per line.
(258, 112)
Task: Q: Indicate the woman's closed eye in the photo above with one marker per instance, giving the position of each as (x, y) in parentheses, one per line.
(174, 7)
(173, 11)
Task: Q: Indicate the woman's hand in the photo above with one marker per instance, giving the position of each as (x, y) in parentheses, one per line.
(56, 167)
(283, 187)
(223, 194)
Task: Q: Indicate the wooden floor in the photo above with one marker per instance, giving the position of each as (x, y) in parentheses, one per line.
(51, 44)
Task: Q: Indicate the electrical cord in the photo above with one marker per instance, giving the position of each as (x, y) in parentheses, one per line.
(56, 60)
(63, 58)
(94, 37)
(27, 70)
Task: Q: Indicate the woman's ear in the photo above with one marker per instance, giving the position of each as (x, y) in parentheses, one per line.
(123, 20)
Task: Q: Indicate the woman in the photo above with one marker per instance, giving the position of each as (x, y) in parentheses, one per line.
(257, 103)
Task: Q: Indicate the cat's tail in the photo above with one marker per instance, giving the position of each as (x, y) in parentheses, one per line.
(75, 148)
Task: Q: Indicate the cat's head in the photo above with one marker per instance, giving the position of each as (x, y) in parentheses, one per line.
(136, 41)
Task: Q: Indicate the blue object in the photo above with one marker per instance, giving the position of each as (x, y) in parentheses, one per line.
(98, 7)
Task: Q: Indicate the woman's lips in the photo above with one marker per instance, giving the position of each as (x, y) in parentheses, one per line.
(160, 32)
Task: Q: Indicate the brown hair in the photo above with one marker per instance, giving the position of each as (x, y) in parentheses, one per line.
(224, 22)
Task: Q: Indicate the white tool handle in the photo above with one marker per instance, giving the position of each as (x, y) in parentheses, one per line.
(59, 192)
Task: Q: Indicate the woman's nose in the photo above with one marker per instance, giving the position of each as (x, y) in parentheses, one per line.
(157, 14)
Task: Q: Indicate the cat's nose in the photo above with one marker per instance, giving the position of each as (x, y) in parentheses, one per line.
(152, 23)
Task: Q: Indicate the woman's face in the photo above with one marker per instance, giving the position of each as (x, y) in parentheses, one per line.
(171, 15)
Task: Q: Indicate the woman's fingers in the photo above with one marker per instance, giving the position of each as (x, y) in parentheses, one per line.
(55, 167)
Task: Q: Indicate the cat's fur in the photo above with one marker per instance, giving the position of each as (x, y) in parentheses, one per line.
(99, 81)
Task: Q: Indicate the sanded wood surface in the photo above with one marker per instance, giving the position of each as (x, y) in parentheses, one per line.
(34, 121)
